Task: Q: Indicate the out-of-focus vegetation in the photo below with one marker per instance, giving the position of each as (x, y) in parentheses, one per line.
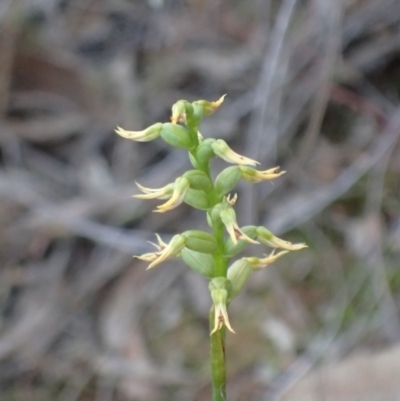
(313, 86)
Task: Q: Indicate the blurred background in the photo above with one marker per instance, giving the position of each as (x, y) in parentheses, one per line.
(313, 86)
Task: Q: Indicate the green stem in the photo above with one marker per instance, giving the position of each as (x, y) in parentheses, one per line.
(218, 369)
(220, 265)
(220, 261)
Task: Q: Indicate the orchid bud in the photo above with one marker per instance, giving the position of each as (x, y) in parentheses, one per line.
(238, 274)
(198, 179)
(214, 215)
(206, 108)
(193, 160)
(197, 199)
(227, 180)
(180, 111)
(202, 263)
(205, 150)
(200, 241)
(176, 136)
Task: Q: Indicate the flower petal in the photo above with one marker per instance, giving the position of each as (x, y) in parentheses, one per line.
(156, 193)
(269, 239)
(181, 187)
(222, 150)
(221, 318)
(255, 176)
(175, 246)
(146, 135)
(258, 263)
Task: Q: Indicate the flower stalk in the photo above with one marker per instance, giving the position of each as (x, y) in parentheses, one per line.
(209, 253)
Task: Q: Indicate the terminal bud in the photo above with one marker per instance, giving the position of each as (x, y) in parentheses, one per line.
(205, 107)
(180, 110)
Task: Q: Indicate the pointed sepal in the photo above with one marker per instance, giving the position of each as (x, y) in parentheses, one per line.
(267, 238)
(146, 135)
(165, 251)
